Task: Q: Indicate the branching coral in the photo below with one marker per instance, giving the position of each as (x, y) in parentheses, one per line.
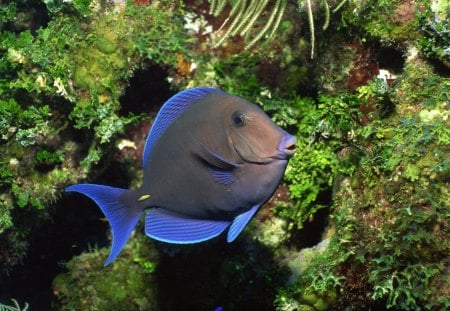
(244, 15)
(15, 307)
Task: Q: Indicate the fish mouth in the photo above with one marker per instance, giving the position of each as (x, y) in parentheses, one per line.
(286, 147)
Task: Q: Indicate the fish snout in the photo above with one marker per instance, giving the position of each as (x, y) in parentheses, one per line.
(287, 145)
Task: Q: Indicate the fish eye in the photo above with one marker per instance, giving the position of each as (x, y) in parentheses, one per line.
(238, 118)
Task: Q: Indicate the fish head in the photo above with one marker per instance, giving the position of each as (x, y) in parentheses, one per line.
(255, 137)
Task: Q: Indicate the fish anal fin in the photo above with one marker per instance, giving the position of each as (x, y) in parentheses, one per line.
(240, 222)
(163, 226)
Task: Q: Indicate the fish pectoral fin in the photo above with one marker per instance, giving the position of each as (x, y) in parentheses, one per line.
(217, 161)
(211, 158)
(222, 176)
(163, 226)
(222, 170)
(240, 222)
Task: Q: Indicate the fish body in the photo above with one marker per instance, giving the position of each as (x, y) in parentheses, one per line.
(210, 161)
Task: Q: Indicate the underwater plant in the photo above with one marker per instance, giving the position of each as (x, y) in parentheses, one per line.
(390, 211)
(129, 286)
(60, 89)
(244, 15)
(435, 26)
(15, 307)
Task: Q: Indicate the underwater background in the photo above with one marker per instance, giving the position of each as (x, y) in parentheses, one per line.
(361, 220)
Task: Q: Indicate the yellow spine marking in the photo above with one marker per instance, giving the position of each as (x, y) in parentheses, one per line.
(144, 197)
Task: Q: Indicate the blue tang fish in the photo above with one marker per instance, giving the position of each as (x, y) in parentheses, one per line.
(210, 161)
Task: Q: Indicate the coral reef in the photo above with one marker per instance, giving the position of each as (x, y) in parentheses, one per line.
(391, 215)
(72, 66)
(361, 220)
(128, 285)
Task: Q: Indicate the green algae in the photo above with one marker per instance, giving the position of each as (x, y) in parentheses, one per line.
(127, 285)
(391, 215)
(73, 66)
(434, 26)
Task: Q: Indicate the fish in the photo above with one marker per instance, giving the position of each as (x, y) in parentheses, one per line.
(210, 161)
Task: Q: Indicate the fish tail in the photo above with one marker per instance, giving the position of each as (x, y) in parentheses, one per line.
(114, 204)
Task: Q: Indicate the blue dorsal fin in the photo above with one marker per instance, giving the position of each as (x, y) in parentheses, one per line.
(240, 222)
(171, 110)
(162, 226)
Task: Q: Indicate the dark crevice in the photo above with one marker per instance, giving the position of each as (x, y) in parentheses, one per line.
(30, 15)
(147, 90)
(440, 68)
(74, 225)
(390, 59)
(217, 275)
(313, 231)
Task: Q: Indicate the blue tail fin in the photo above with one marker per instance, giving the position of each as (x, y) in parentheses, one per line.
(122, 218)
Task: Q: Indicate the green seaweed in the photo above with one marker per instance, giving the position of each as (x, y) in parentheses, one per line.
(323, 130)
(390, 214)
(127, 285)
(73, 66)
(435, 42)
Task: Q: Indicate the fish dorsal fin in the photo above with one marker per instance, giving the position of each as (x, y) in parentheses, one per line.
(170, 111)
(240, 222)
(163, 226)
